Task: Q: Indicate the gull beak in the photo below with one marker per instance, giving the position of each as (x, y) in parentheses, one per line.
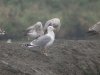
(54, 29)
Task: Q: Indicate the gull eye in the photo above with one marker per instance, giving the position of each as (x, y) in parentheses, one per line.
(55, 26)
(50, 24)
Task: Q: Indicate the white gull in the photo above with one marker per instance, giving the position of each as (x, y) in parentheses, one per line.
(44, 41)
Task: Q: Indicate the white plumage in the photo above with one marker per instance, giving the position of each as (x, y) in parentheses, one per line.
(55, 22)
(45, 40)
(9, 41)
(95, 29)
(35, 31)
(2, 32)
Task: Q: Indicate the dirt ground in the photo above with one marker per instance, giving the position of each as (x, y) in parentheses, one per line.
(65, 57)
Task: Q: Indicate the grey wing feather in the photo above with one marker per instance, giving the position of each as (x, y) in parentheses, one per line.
(42, 41)
(31, 27)
(47, 24)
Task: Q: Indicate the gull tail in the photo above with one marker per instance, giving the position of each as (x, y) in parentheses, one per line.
(92, 32)
(29, 45)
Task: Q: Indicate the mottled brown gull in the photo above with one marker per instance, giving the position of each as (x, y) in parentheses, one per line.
(35, 31)
(2, 32)
(95, 29)
(55, 22)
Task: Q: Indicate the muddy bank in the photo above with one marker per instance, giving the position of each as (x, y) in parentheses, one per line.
(66, 57)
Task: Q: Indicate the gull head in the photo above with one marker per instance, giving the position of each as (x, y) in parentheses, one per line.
(39, 25)
(51, 28)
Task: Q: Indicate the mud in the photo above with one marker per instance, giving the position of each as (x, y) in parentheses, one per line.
(65, 57)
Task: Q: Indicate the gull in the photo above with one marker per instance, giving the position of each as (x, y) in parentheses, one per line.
(95, 29)
(55, 22)
(44, 41)
(35, 31)
(2, 32)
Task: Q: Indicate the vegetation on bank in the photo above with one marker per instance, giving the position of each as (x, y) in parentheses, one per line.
(76, 15)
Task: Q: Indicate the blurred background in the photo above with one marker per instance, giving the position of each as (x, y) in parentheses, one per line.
(75, 15)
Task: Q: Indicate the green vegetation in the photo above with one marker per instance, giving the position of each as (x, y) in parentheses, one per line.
(76, 15)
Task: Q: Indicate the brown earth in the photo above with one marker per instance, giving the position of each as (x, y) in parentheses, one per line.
(66, 57)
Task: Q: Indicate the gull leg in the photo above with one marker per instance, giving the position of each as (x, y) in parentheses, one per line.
(42, 51)
(45, 52)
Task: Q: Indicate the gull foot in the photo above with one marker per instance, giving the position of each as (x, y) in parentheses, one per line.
(45, 54)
